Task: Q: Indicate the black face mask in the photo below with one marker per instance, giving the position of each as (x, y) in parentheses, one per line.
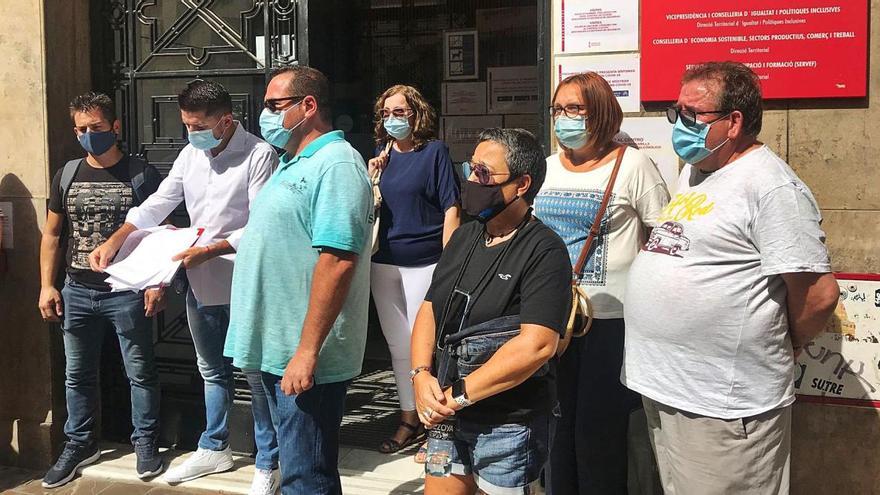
(483, 202)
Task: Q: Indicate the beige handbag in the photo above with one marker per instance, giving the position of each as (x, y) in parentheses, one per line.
(377, 201)
(581, 317)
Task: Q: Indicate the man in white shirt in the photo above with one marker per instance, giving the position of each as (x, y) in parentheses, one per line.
(218, 174)
(733, 281)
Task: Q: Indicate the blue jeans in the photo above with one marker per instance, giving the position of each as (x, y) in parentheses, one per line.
(504, 459)
(308, 436)
(208, 326)
(86, 312)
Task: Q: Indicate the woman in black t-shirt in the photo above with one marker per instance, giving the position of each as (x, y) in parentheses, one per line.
(485, 338)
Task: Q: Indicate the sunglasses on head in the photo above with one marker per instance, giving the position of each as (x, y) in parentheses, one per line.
(271, 104)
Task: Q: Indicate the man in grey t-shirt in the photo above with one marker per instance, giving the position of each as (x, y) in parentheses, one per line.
(731, 284)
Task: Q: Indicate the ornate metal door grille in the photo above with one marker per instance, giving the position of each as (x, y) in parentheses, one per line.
(143, 52)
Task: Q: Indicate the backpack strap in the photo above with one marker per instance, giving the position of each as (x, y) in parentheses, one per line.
(68, 173)
(145, 179)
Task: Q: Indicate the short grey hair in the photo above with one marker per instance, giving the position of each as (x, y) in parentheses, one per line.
(524, 156)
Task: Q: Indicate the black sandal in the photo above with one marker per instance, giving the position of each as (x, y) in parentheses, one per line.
(390, 446)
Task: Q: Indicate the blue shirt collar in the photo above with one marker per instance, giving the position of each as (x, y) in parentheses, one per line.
(313, 147)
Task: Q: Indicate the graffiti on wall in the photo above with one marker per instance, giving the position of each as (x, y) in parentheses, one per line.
(842, 364)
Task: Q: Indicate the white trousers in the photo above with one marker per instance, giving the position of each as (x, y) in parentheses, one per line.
(398, 293)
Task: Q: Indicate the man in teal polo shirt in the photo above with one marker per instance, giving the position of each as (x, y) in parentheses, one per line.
(300, 288)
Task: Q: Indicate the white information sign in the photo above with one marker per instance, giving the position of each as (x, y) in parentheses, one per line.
(653, 135)
(621, 71)
(464, 98)
(591, 26)
(513, 89)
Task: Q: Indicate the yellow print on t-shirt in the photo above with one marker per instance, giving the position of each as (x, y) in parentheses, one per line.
(686, 206)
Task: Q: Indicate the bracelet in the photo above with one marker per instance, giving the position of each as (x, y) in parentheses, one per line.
(415, 371)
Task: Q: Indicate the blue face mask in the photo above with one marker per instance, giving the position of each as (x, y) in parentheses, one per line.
(572, 132)
(272, 127)
(97, 143)
(397, 127)
(204, 140)
(690, 143)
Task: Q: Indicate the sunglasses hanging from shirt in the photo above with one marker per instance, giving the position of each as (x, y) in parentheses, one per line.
(581, 317)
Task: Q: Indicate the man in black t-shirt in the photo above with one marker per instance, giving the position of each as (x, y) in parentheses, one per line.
(88, 201)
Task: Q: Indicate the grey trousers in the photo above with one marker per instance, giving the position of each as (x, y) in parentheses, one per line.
(699, 455)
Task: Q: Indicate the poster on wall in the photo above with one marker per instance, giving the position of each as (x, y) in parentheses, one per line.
(653, 136)
(621, 71)
(6, 217)
(460, 55)
(798, 48)
(529, 121)
(460, 133)
(842, 364)
(590, 26)
(463, 98)
(513, 89)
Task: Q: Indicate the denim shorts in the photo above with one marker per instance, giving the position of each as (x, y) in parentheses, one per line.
(504, 459)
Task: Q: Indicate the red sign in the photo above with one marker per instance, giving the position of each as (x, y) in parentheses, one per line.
(799, 48)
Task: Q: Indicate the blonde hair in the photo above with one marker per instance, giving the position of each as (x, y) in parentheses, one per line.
(425, 119)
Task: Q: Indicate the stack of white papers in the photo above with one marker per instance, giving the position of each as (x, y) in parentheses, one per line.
(144, 260)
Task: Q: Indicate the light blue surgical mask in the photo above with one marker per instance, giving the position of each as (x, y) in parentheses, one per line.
(397, 127)
(204, 140)
(272, 127)
(690, 142)
(571, 132)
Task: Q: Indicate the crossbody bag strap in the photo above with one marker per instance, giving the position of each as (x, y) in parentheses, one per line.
(597, 222)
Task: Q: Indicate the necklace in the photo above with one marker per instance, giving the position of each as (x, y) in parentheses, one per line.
(524, 221)
(490, 237)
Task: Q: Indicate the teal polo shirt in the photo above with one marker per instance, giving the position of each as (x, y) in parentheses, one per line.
(320, 198)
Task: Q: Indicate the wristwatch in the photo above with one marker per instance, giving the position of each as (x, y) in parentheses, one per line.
(418, 369)
(459, 394)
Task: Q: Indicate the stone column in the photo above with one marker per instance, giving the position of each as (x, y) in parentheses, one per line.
(45, 49)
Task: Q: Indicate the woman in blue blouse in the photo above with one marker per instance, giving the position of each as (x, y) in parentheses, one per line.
(420, 210)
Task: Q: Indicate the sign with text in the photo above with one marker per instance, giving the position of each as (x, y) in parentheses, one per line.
(513, 89)
(653, 135)
(842, 364)
(798, 48)
(591, 26)
(620, 70)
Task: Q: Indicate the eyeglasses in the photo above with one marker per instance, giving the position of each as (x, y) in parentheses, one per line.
(396, 112)
(271, 104)
(482, 172)
(689, 117)
(570, 111)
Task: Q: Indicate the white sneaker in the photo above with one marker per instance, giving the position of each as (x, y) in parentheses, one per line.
(200, 463)
(265, 482)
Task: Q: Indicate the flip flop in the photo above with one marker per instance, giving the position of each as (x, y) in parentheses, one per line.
(390, 446)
